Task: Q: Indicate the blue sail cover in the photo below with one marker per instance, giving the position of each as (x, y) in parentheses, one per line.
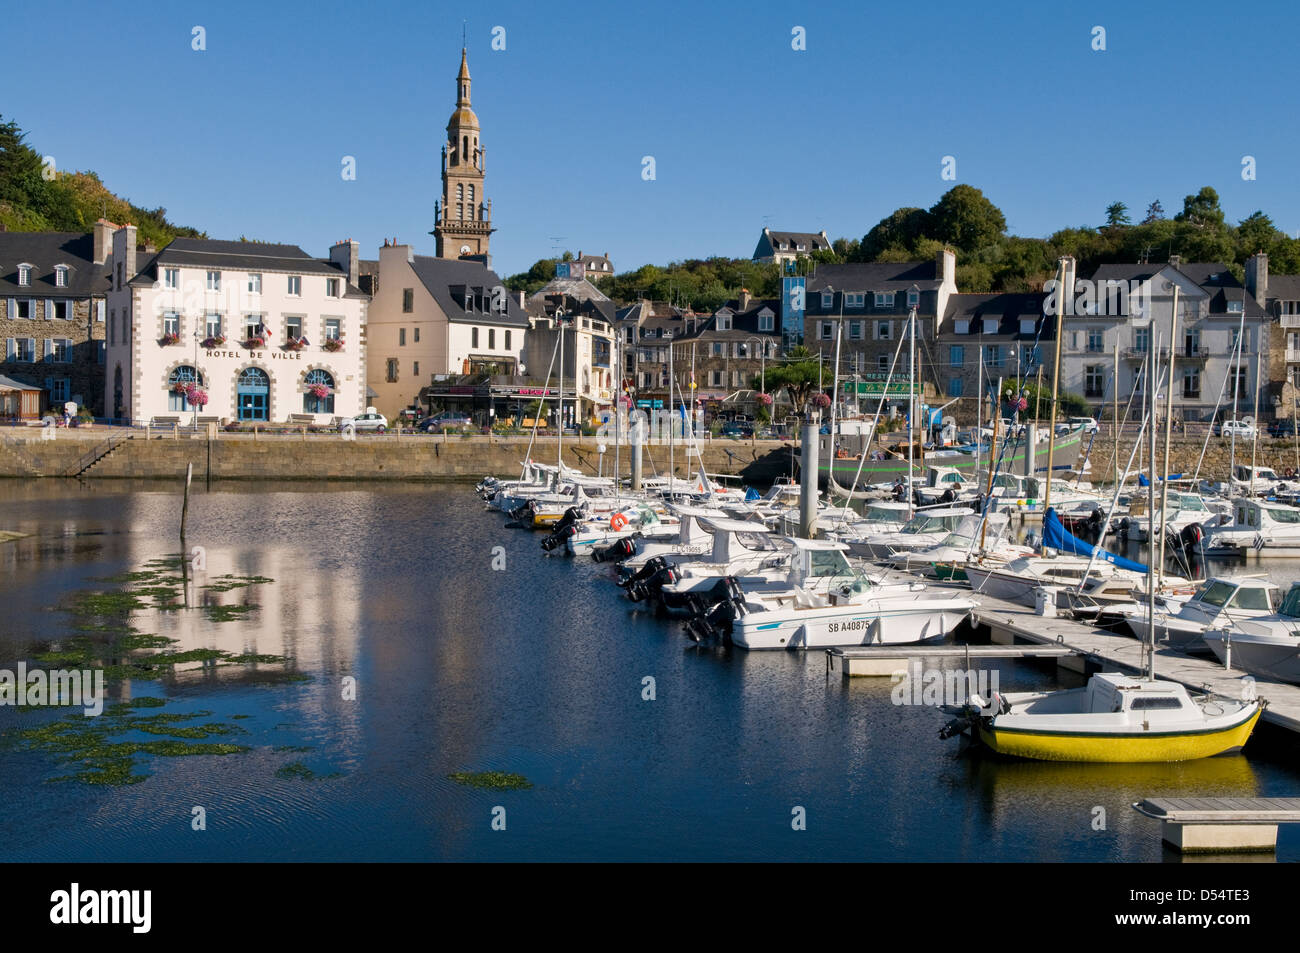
(1143, 480)
(1056, 536)
(751, 495)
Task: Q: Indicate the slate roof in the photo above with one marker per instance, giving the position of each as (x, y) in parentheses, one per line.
(447, 280)
(9, 383)
(1284, 287)
(813, 241)
(44, 250)
(1213, 278)
(1008, 308)
(876, 276)
(238, 256)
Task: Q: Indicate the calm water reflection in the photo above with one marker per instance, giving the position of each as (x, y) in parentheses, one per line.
(536, 670)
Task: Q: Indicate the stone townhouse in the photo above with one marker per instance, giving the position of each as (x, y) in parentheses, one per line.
(734, 346)
(437, 318)
(53, 294)
(646, 331)
(265, 330)
(1279, 296)
(1123, 313)
(590, 366)
(986, 338)
(873, 302)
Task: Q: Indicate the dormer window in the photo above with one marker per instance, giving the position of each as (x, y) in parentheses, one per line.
(961, 326)
(1235, 307)
(991, 325)
(856, 299)
(60, 276)
(24, 275)
(828, 299)
(913, 298)
(801, 247)
(724, 322)
(884, 299)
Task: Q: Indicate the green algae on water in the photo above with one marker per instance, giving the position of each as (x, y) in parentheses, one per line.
(491, 780)
(299, 771)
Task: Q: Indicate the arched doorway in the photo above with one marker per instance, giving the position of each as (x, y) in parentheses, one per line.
(176, 381)
(252, 394)
(312, 401)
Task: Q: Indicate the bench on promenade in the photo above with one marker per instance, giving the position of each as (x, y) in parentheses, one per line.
(1220, 824)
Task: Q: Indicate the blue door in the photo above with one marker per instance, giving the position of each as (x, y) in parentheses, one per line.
(252, 394)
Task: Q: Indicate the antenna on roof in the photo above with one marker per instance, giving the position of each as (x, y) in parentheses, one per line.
(463, 44)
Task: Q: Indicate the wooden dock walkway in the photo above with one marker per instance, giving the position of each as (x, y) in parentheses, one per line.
(1011, 623)
(1213, 824)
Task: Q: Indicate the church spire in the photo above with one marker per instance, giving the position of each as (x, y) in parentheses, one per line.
(462, 79)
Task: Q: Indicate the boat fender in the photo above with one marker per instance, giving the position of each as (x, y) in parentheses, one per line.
(1003, 706)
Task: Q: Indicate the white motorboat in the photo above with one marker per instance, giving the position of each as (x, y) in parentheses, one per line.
(693, 540)
(1267, 645)
(968, 542)
(1220, 601)
(927, 528)
(1184, 510)
(826, 603)
(1269, 529)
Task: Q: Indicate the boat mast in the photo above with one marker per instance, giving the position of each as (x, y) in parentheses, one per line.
(1114, 465)
(979, 414)
(1236, 393)
(1169, 421)
(672, 417)
(1254, 440)
(911, 405)
(1151, 511)
(559, 443)
(1062, 291)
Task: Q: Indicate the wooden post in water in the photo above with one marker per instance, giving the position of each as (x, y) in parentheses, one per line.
(185, 507)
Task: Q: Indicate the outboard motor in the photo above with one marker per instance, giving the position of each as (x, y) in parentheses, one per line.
(616, 551)
(948, 496)
(557, 537)
(900, 492)
(650, 589)
(716, 621)
(1190, 537)
(651, 567)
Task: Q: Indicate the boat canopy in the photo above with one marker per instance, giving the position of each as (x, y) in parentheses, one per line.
(1055, 536)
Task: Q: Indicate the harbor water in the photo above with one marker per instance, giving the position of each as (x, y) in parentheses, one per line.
(422, 639)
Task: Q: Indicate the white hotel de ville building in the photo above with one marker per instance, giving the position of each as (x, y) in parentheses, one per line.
(266, 332)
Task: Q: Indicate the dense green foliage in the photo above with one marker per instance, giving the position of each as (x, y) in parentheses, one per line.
(68, 201)
(988, 259)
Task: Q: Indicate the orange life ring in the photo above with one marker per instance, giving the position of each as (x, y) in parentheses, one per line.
(617, 522)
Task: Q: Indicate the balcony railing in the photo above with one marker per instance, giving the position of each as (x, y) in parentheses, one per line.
(1292, 355)
(1184, 353)
(1290, 320)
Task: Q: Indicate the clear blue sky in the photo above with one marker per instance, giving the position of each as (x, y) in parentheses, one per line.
(248, 136)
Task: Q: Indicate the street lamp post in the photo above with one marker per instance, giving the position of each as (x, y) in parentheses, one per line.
(196, 375)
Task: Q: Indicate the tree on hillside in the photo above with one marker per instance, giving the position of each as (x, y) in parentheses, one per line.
(964, 218)
(899, 230)
(798, 375)
(1155, 213)
(1117, 215)
(1202, 209)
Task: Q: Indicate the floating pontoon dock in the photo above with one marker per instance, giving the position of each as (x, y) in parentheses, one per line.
(1215, 824)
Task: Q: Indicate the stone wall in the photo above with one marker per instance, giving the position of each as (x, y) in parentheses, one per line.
(329, 457)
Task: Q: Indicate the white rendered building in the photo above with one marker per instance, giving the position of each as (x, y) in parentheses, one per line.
(265, 330)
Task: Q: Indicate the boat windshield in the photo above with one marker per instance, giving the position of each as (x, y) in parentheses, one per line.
(830, 562)
(1282, 514)
(881, 514)
(1251, 597)
(923, 524)
(1192, 503)
(755, 541)
(1216, 593)
(1291, 604)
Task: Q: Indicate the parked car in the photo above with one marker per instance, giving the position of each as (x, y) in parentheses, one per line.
(1282, 428)
(1089, 424)
(737, 429)
(1240, 428)
(367, 421)
(448, 420)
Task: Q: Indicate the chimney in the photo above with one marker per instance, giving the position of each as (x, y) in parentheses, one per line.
(945, 267)
(128, 233)
(150, 248)
(103, 231)
(519, 297)
(744, 299)
(1257, 277)
(347, 255)
(1175, 261)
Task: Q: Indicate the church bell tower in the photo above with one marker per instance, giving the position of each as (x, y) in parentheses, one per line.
(463, 217)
